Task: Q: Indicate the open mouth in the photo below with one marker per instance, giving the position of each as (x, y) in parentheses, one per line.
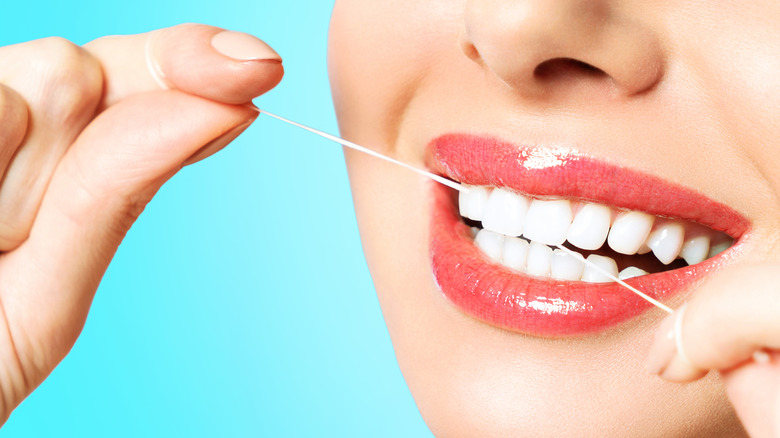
(493, 247)
(522, 234)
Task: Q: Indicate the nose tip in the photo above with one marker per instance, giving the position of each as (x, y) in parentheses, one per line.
(533, 44)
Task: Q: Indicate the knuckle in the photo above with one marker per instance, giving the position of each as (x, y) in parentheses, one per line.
(57, 45)
(71, 79)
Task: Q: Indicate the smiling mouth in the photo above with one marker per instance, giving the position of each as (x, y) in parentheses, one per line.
(492, 247)
(522, 233)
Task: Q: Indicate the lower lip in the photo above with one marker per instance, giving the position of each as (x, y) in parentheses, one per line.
(538, 306)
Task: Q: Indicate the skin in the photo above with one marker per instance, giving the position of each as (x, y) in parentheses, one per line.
(88, 138)
(670, 85)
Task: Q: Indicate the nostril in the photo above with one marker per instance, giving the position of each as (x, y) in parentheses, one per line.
(565, 67)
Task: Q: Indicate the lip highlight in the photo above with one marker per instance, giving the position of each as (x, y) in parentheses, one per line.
(542, 306)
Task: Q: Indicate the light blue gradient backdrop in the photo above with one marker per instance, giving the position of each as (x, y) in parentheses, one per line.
(240, 303)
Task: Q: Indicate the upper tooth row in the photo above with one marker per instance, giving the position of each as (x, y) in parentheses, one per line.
(552, 222)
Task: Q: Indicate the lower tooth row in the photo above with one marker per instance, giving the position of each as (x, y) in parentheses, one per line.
(540, 260)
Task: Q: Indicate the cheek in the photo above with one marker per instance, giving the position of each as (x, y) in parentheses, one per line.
(749, 105)
(378, 54)
(392, 208)
(736, 69)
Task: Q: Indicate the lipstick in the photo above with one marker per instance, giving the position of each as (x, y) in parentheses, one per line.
(543, 306)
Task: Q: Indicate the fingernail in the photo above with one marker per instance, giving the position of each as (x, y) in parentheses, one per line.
(243, 47)
(663, 349)
(217, 144)
(680, 370)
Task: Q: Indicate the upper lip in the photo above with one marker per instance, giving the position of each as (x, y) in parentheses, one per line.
(550, 308)
(567, 173)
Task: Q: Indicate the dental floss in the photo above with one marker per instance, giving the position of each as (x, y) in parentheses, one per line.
(678, 336)
(760, 356)
(646, 297)
(357, 147)
(459, 187)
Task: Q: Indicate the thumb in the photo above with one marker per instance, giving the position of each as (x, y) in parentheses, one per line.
(206, 61)
(730, 324)
(99, 188)
(732, 316)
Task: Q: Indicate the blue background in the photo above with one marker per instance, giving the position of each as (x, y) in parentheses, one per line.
(240, 303)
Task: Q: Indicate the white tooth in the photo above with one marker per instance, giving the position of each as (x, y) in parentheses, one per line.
(631, 272)
(463, 201)
(666, 241)
(492, 244)
(476, 198)
(629, 232)
(474, 231)
(695, 250)
(590, 227)
(565, 267)
(548, 221)
(719, 248)
(515, 253)
(591, 275)
(505, 212)
(539, 258)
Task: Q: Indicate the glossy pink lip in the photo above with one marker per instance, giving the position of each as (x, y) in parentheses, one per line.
(545, 307)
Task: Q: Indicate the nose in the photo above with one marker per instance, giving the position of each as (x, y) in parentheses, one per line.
(535, 45)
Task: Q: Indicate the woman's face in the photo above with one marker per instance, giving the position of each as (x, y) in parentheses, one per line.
(662, 107)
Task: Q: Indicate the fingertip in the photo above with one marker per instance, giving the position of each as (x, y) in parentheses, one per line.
(221, 65)
(268, 75)
(681, 370)
(219, 143)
